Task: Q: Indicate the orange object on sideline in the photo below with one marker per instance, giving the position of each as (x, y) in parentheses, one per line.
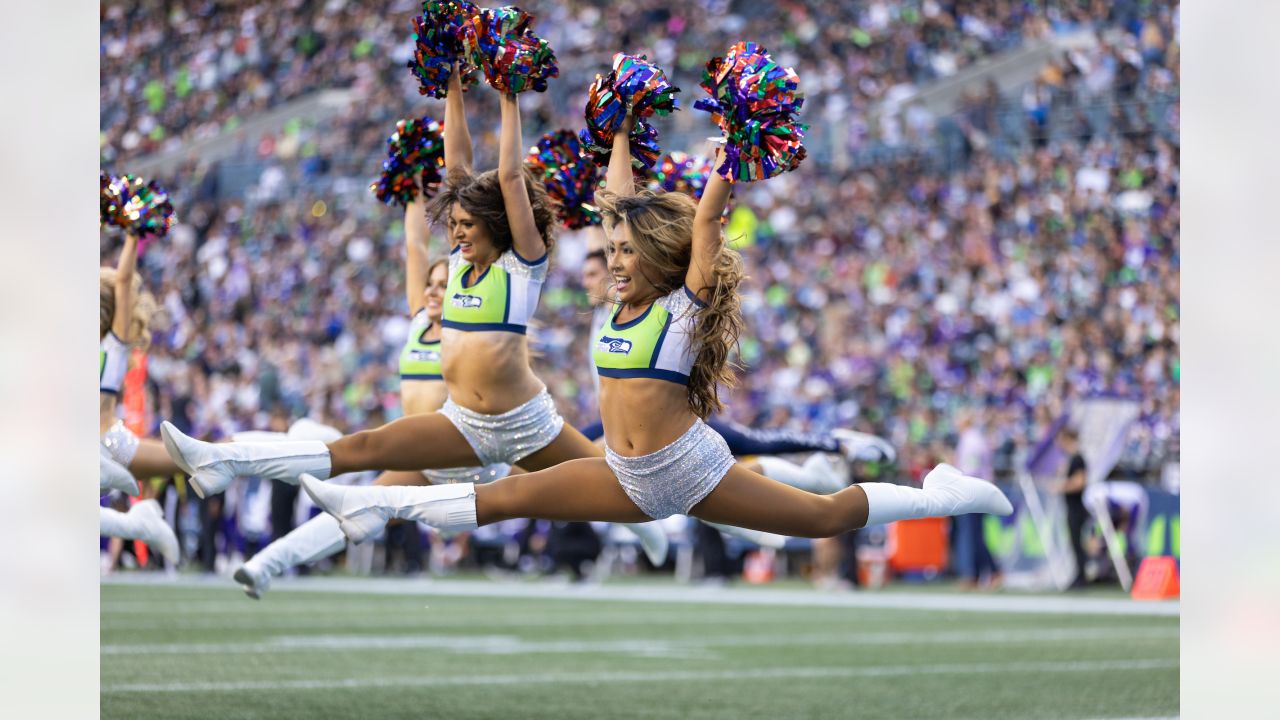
(757, 566)
(135, 394)
(1157, 579)
(916, 545)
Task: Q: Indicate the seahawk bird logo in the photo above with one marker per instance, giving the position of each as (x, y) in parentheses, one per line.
(467, 301)
(618, 346)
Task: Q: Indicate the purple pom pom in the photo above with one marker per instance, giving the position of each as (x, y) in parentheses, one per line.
(415, 157)
(135, 205)
(681, 172)
(633, 85)
(515, 59)
(569, 176)
(754, 101)
(440, 37)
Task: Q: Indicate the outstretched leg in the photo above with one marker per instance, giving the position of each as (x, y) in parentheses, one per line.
(576, 490)
(411, 443)
(749, 500)
(417, 442)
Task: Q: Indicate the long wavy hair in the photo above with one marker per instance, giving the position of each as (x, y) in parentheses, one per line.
(662, 236)
(481, 196)
(142, 313)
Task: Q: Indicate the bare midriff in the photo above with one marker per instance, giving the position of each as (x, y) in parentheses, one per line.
(488, 371)
(643, 415)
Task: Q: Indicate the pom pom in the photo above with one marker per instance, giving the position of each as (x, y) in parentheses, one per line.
(135, 205)
(569, 176)
(633, 85)
(754, 101)
(414, 152)
(443, 35)
(681, 172)
(515, 59)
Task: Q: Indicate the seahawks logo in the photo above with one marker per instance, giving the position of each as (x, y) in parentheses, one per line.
(428, 356)
(467, 301)
(617, 346)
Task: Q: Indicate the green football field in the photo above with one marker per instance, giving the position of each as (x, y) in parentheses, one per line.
(478, 649)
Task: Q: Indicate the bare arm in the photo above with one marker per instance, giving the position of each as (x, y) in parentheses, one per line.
(125, 268)
(417, 236)
(457, 137)
(525, 237)
(708, 240)
(618, 179)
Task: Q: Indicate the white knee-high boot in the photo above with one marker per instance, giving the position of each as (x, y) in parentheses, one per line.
(145, 522)
(212, 467)
(817, 475)
(653, 540)
(363, 511)
(313, 540)
(946, 492)
(114, 476)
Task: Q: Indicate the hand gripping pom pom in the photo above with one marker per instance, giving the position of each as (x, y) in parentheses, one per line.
(515, 59)
(633, 85)
(754, 101)
(135, 205)
(414, 152)
(569, 176)
(443, 34)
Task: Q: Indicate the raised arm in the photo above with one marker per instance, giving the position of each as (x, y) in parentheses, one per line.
(708, 240)
(417, 236)
(525, 237)
(618, 179)
(121, 322)
(457, 137)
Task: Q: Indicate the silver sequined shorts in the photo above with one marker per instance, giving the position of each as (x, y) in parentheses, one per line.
(677, 477)
(477, 475)
(510, 436)
(120, 442)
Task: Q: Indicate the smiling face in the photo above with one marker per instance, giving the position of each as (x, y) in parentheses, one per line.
(434, 293)
(471, 236)
(626, 269)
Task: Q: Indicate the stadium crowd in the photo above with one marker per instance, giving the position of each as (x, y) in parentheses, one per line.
(1036, 266)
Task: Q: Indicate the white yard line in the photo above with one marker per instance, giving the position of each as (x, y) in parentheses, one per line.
(511, 645)
(1004, 603)
(577, 678)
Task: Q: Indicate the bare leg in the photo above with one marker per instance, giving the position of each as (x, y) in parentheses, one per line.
(746, 499)
(582, 490)
(577, 490)
(410, 443)
(151, 460)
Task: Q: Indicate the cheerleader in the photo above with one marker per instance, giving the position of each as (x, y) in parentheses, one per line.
(817, 474)
(124, 320)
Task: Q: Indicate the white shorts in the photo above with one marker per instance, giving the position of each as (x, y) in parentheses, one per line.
(677, 477)
(511, 436)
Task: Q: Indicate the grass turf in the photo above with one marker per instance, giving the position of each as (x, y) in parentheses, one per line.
(182, 652)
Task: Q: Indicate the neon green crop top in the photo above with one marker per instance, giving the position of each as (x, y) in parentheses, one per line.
(420, 359)
(654, 345)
